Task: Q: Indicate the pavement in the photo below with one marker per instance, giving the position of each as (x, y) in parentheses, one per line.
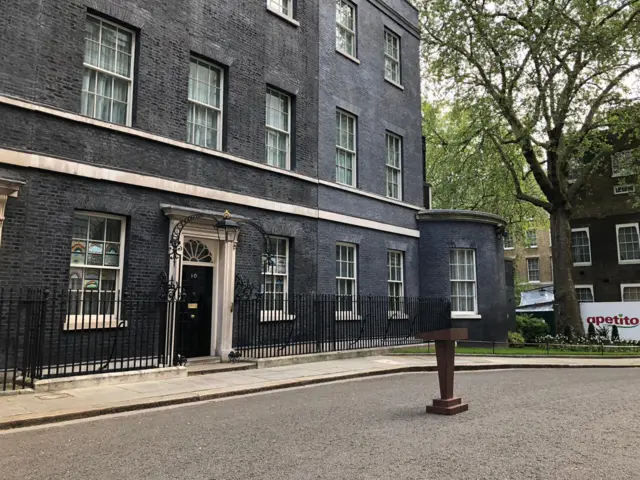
(562, 424)
(38, 408)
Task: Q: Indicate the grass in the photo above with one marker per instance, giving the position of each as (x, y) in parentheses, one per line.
(633, 351)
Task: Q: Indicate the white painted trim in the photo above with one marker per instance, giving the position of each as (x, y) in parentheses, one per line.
(92, 322)
(34, 107)
(130, 99)
(371, 224)
(291, 20)
(529, 270)
(625, 285)
(464, 316)
(583, 264)
(346, 55)
(68, 167)
(364, 193)
(618, 227)
(590, 287)
(397, 85)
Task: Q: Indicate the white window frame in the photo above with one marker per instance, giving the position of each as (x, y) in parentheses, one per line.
(583, 264)
(353, 313)
(346, 29)
(92, 321)
(391, 137)
(465, 313)
(273, 314)
(130, 79)
(621, 171)
(585, 287)
(623, 189)
(278, 93)
(529, 270)
(513, 245)
(391, 59)
(618, 227)
(627, 285)
(353, 153)
(397, 313)
(220, 109)
(535, 244)
(283, 8)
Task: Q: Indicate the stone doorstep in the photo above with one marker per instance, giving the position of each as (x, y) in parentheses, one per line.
(111, 378)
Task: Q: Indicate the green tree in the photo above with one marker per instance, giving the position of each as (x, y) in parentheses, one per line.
(467, 172)
(542, 77)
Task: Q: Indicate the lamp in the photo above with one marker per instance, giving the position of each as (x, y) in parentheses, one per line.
(227, 228)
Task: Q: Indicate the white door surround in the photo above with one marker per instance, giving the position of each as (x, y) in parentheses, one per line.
(223, 262)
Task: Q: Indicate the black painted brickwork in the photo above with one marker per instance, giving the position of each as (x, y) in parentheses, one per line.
(605, 273)
(436, 241)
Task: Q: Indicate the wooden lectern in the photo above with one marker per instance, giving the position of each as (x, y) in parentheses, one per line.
(445, 356)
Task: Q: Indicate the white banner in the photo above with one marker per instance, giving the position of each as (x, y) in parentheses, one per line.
(626, 315)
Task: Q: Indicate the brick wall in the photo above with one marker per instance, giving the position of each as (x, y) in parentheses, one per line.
(436, 241)
(606, 274)
(360, 89)
(521, 252)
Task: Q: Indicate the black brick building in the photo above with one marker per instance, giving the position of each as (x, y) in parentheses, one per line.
(606, 236)
(120, 118)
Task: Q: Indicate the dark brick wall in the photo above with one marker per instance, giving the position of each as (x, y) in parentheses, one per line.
(378, 105)
(597, 200)
(436, 240)
(37, 232)
(371, 247)
(605, 273)
(41, 51)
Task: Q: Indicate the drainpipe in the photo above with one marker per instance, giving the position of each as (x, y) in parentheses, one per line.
(426, 186)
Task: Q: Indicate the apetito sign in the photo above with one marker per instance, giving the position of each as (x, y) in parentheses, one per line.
(625, 315)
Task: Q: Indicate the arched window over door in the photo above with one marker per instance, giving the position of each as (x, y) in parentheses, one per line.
(196, 252)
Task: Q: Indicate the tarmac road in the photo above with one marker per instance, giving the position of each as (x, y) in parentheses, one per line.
(522, 424)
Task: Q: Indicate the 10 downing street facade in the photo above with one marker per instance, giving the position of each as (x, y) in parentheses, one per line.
(119, 119)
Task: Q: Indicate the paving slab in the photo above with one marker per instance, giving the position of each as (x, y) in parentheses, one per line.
(22, 410)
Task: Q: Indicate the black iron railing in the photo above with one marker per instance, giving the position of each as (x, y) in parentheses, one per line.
(323, 323)
(47, 334)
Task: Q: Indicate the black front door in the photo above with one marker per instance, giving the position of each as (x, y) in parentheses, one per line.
(193, 329)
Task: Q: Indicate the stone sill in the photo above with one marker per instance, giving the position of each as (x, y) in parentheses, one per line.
(293, 22)
(346, 55)
(92, 322)
(397, 85)
(463, 316)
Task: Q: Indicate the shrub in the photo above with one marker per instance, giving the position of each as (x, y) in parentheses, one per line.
(591, 331)
(515, 339)
(603, 332)
(615, 335)
(531, 328)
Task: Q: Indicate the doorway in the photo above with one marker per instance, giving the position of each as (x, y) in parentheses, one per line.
(193, 332)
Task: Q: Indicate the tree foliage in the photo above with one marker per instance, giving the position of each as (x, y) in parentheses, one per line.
(467, 172)
(547, 78)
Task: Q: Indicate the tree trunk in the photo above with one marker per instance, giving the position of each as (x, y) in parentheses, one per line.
(567, 309)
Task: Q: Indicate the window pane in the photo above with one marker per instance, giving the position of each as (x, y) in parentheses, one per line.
(580, 246)
(631, 294)
(629, 243)
(463, 286)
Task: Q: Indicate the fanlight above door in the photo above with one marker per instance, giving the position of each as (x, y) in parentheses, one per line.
(197, 252)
